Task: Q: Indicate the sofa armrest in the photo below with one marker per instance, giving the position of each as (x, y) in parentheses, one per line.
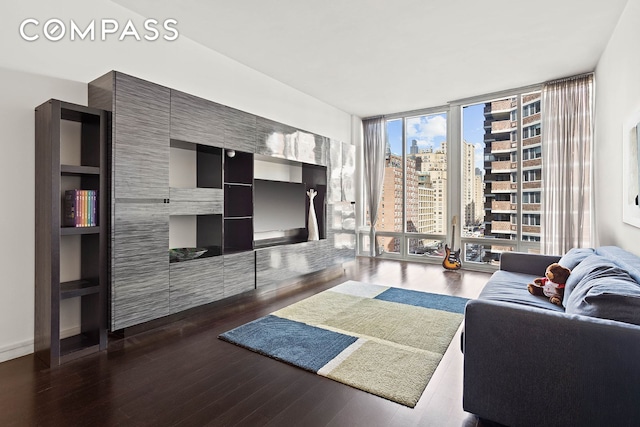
(521, 262)
(529, 366)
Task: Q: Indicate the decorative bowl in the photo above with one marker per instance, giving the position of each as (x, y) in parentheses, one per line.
(185, 254)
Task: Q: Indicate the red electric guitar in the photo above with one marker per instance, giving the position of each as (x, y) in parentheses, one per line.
(451, 257)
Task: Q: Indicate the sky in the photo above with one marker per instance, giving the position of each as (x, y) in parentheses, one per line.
(431, 130)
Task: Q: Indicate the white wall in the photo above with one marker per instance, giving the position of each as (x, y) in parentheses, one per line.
(32, 72)
(617, 101)
(21, 93)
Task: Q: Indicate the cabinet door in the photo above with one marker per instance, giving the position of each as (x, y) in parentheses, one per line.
(196, 120)
(195, 283)
(239, 130)
(275, 139)
(140, 257)
(239, 273)
(141, 139)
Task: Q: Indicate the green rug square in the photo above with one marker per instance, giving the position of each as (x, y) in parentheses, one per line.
(382, 369)
(418, 327)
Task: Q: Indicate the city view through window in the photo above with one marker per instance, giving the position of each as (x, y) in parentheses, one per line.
(500, 188)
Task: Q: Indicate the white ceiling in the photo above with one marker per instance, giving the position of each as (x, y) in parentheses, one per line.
(370, 57)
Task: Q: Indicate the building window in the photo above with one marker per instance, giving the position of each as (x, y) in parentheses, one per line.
(532, 153)
(531, 109)
(531, 131)
(532, 175)
(530, 197)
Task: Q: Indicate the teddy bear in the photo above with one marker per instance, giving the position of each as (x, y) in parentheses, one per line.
(552, 285)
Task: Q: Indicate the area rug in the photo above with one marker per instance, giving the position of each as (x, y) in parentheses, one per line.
(383, 340)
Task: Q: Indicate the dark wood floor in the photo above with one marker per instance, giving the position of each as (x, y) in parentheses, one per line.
(181, 374)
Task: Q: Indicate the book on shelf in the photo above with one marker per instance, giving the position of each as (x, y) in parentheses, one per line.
(80, 208)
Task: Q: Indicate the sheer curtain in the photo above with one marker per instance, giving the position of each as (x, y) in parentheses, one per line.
(567, 135)
(374, 151)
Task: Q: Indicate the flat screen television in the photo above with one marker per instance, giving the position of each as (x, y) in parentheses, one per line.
(278, 205)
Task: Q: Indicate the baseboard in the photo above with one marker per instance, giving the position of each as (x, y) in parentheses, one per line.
(13, 351)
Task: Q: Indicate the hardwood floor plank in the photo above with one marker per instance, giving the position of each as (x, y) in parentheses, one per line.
(181, 373)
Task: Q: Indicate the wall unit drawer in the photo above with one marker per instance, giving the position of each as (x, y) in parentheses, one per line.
(195, 282)
(196, 208)
(196, 201)
(278, 263)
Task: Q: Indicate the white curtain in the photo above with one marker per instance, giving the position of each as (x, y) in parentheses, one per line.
(374, 152)
(567, 135)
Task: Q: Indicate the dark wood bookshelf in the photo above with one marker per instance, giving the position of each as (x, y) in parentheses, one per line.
(91, 287)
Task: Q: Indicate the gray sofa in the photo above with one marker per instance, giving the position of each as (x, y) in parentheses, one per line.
(528, 362)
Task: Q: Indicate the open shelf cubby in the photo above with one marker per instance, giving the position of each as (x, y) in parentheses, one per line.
(281, 204)
(194, 165)
(196, 231)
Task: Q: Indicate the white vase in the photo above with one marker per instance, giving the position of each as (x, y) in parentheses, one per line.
(312, 224)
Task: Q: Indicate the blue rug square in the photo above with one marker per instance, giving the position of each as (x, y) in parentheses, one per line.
(293, 342)
(448, 303)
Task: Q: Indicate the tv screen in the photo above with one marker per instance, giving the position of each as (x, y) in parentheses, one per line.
(278, 205)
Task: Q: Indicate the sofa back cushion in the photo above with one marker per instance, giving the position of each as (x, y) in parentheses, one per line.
(603, 290)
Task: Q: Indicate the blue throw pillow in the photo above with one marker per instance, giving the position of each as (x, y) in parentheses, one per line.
(607, 292)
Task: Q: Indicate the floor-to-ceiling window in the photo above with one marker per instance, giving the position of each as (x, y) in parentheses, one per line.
(497, 158)
(412, 215)
(501, 176)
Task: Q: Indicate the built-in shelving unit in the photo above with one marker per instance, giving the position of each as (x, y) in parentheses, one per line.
(70, 262)
(183, 176)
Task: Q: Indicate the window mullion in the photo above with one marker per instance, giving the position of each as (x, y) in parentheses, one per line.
(519, 184)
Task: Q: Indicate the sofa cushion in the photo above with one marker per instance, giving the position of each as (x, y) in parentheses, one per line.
(508, 286)
(574, 257)
(605, 291)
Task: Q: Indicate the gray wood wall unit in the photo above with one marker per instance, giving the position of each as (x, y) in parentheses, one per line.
(196, 120)
(195, 283)
(141, 129)
(140, 263)
(239, 273)
(146, 119)
(239, 130)
(139, 187)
